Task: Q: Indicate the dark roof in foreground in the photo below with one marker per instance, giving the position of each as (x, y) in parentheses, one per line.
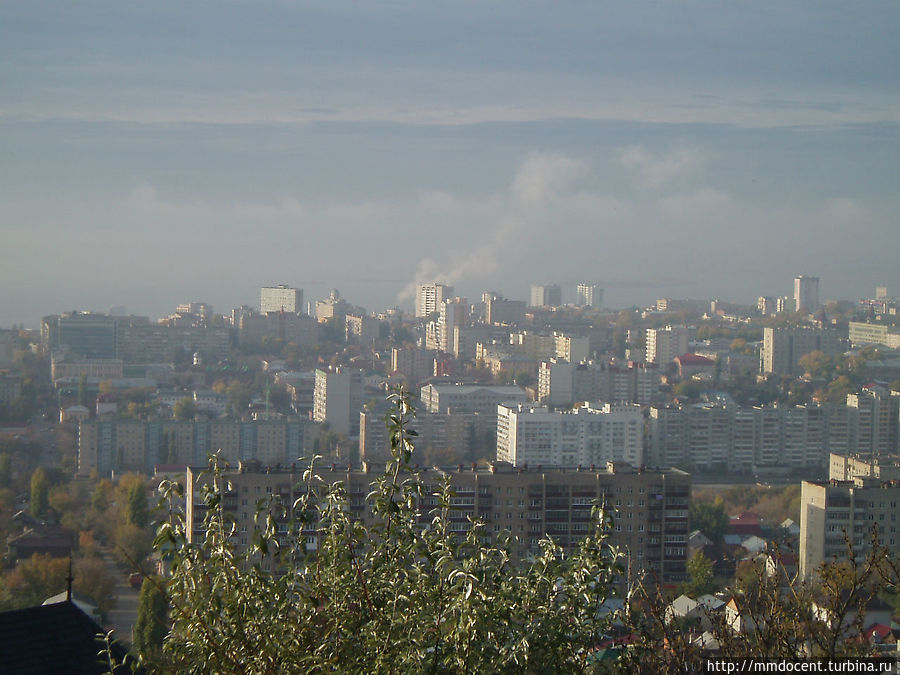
(57, 638)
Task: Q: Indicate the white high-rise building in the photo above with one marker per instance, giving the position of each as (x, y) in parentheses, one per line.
(280, 298)
(430, 296)
(589, 295)
(664, 344)
(806, 293)
(453, 314)
(546, 296)
(531, 434)
(338, 399)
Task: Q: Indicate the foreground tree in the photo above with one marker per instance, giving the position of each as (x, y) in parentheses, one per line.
(152, 624)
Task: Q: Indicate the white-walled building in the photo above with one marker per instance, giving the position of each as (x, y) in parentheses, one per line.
(561, 382)
(664, 344)
(589, 295)
(430, 296)
(531, 434)
(280, 298)
(468, 398)
(338, 399)
(806, 293)
(546, 296)
(454, 314)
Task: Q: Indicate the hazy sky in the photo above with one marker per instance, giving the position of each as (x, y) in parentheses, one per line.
(159, 152)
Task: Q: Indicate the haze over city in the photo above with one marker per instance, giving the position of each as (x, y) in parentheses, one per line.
(159, 153)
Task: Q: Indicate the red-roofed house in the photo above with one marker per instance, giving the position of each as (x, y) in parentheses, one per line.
(745, 523)
(692, 364)
(884, 638)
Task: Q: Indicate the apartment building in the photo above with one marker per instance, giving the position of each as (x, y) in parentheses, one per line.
(865, 465)
(650, 507)
(413, 363)
(453, 314)
(806, 293)
(429, 298)
(338, 398)
(561, 382)
(469, 398)
(877, 419)
(589, 295)
(300, 329)
(549, 295)
(534, 435)
(874, 334)
(137, 445)
(280, 298)
(784, 347)
(498, 310)
(835, 512)
(447, 434)
(664, 344)
(718, 437)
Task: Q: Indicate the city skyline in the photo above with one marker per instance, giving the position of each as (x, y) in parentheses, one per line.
(156, 155)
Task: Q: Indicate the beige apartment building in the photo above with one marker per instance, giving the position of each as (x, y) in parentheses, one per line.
(784, 347)
(835, 512)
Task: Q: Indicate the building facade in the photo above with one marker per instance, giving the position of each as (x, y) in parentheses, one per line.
(280, 298)
(664, 344)
(651, 507)
(549, 295)
(338, 399)
(533, 435)
(874, 334)
(429, 298)
(806, 294)
(718, 437)
(500, 311)
(835, 512)
(300, 329)
(469, 398)
(137, 445)
(562, 383)
(784, 347)
(589, 295)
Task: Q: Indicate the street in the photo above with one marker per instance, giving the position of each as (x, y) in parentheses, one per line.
(124, 615)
